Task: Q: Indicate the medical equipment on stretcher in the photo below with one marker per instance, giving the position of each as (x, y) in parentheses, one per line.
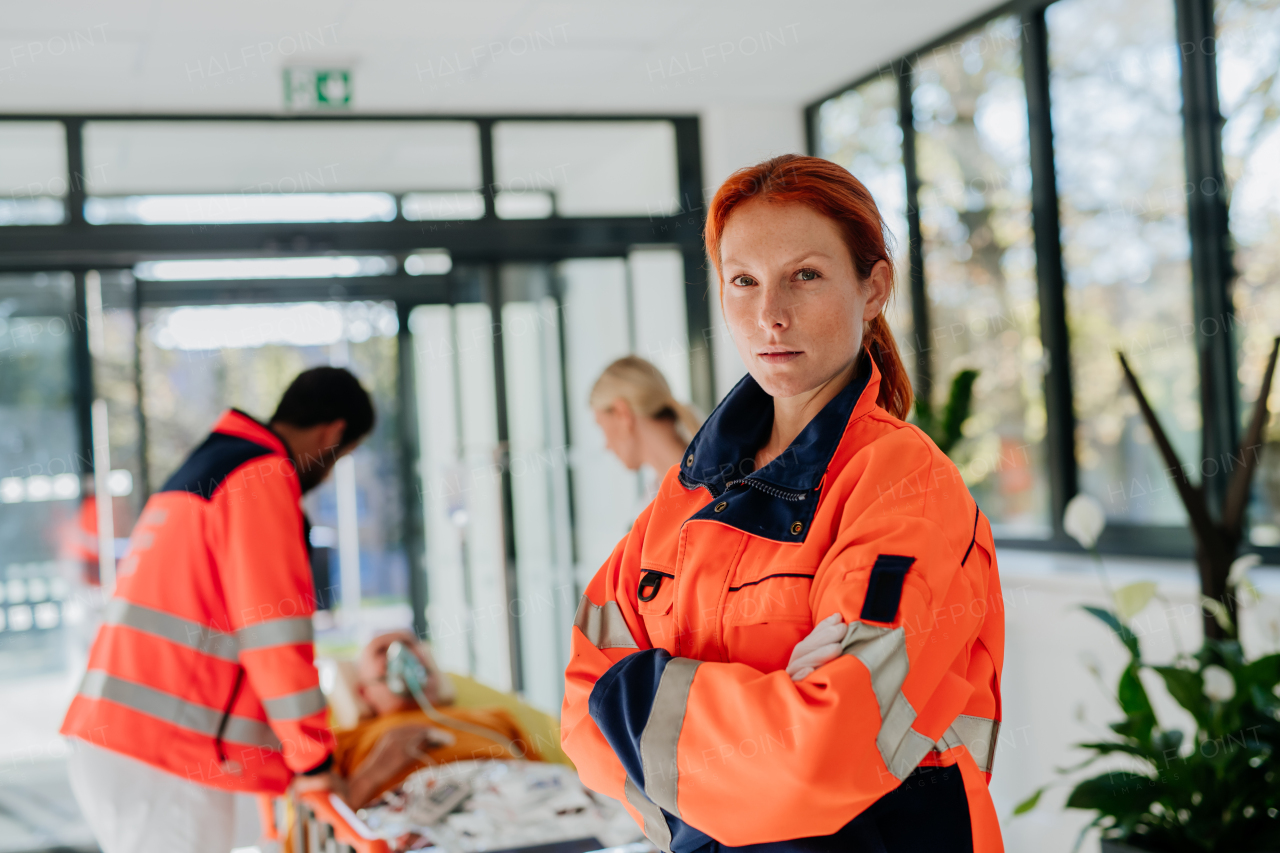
(408, 677)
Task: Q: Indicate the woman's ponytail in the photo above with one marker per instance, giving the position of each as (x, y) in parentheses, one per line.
(895, 386)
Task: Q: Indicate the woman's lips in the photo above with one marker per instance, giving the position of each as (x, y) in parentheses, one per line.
(780, 357)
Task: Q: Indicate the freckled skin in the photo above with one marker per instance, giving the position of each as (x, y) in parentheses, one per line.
(796, 307)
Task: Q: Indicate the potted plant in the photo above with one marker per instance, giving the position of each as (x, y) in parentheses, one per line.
(1216, 787)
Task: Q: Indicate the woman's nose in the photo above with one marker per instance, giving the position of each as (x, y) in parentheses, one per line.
(775, 309)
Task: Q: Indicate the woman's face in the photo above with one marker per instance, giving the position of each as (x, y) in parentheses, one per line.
(621, 436)
(792, 297)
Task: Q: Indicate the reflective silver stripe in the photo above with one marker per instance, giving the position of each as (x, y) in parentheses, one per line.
(295, 706)
(175, 629)
(883, 651)
(276, 632)
(661, 735)
(604, 625)
(169, 708)
(655, 824)
(976, 734)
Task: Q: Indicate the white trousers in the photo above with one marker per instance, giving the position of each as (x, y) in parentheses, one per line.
(134, 808)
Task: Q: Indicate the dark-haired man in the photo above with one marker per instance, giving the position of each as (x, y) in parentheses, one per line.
(201, 680)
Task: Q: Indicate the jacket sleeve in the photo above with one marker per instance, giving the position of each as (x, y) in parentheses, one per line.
(705, 741)
(270, 597)
(606, 629)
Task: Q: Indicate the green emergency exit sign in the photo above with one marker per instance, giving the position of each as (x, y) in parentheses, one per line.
(317, 88)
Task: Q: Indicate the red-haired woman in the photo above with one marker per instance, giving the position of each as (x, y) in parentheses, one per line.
(799, 643)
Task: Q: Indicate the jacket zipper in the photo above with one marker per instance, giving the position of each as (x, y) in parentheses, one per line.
(226, 717)
(784, 494)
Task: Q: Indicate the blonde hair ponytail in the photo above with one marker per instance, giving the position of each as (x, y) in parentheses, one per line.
(646, 391)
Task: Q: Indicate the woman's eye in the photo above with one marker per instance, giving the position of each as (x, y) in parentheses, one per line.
(744, 281)
(807, 275)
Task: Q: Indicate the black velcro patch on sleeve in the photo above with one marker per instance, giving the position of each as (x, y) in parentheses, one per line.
(884, 592)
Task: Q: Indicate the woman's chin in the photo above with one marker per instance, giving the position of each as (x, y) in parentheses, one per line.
(778, 382)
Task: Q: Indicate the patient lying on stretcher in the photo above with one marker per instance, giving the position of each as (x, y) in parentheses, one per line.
(398, 737)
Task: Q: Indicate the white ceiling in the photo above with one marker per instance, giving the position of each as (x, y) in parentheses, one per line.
(475, 56)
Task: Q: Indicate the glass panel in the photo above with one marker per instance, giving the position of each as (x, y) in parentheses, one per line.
(539, 481)
(115, 380)
(33, 172)
(43, 600)
(619, 168)
(656, 281)
(1116, 107)
(597, 330)
(467, 609)
(142, 158)
(970, 113)
(1248, 56)
(861, 131)
(197, 361)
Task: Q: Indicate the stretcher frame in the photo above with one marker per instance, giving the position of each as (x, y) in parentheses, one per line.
(321, 823)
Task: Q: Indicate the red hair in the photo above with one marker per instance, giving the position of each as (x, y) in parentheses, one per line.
(830, 190)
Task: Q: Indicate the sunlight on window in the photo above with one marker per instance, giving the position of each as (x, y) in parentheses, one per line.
(304, 324)
(340, 266)
(240, 208)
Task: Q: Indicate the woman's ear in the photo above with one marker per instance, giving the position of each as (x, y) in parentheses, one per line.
(624, 413)
(879, 286)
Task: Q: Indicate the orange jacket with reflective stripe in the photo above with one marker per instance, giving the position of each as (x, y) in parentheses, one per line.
(204, 663)
(677, 701)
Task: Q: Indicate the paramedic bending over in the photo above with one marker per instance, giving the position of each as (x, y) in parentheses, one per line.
(799, 642)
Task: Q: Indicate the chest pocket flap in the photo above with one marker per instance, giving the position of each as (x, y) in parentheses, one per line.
(778, 597)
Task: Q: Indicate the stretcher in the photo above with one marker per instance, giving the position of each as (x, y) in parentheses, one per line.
(319, 822)
(500, 806)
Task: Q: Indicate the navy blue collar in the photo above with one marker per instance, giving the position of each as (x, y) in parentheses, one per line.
(784, 493)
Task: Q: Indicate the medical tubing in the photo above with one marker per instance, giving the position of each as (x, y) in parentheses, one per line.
(514, 747)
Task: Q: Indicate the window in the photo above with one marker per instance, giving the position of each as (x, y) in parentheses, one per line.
(33, 173)
(1116, 102)
(1248, 55)
(588, 168)
(169, 172)
(40, 466)
(970, 116)
(861, 130)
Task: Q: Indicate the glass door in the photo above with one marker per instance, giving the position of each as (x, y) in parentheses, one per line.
(521, 501)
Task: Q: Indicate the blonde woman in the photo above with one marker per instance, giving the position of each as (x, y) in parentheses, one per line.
(643, 423)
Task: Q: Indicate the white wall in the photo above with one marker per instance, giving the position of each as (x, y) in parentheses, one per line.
(1050, 698)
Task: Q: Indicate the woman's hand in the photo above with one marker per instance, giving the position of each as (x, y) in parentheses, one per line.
(821, 646)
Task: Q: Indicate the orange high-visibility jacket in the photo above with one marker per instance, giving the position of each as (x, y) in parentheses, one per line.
(677, 701)
(204, 664)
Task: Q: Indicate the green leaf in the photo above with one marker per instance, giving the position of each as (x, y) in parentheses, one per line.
(1126, 636)
(956, 411)
(1263, 672)
(1030, 802)
(1140, 717)
(1117, 793)
(1187, 688)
